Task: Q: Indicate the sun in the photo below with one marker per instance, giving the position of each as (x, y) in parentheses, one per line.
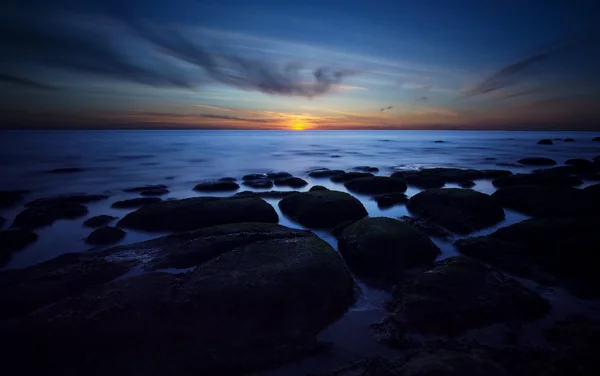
(298, 126)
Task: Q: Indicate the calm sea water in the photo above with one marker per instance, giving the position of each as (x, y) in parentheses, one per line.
(114, 160)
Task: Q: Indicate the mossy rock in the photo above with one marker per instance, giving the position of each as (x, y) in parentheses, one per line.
(458, 210)
(546, 201)
(322, 209)
(324, 173)
(217, 186)
(376, 185)
(380, 249)
(292, 182)
(386, 200)
(347, 176)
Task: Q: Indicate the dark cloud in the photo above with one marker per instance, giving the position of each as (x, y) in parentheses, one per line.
(523, 93)
(386, 108)
(208, 116)
(20, 81)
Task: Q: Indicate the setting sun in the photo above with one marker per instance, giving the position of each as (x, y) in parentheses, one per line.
(298, 126)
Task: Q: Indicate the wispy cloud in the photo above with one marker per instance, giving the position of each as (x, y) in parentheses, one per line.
(422, 99)
(386, 108)
(16, 80)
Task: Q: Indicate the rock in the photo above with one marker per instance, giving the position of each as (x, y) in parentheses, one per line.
(366, 169)
(135, 202)
(576, 341)
(347, 176)
(593, 176)
(459, 210)
(228, 178)
(459, 294)
(65, 200)
(437, 177)
(380, 249)
(426, 227)
(420, 179)
(316, 188)
(376, 185)
(560, 170)
(66, 170)
(258, 183)
(593, 190)
(322, 209)
(278, 175)
(537, 161)
(545, 201)
(545, 141)
(9, 198)
(146, 188)
(489, 159)
(44, 215)
(155, 192)
(569, 140)
(99, 221)
(324, 173)
(286, 289)
(387, 200)
(254, 177)
(2, 221)
(536, 179)
(439, 142)
(269, 194)
(105, 235)
(16, 240)
(544, 249)
(336, 156)
(217, 186)
(368, 367)
(291, 182)
(557, 139)
(596, 139)
(197, 212)
(467, 184)
(579, 162)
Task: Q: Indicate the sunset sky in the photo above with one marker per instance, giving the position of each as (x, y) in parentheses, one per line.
(301, 64)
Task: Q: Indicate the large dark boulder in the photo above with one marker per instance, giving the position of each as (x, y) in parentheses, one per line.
(386, 200)
(380, 249)
(105, 235)
(537, 179)
(217, 186)
(9, 198)
(291, 182)
(375, 185)
(322, 209)
(324, 173)
(36, 216)
(596, 139)
(254, 177)
(197, 212)
(537, 161)
(135, 202)
(420, 179)
(262, 302)
(459, 210)
(347, 176)
(99, 221)
(265, 194)
(583, 164)
(460, 294)
(545, 141)
(546, 201)
(15, 240)
(316, 188)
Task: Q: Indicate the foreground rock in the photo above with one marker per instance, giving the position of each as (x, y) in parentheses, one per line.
(376, 185)
(546, 201)
(105, 235)
(38, 216)
(536, 179)
(291, 182)
(380, 249)
(596, 139)
(387, 200)
(316, 188)
(288, 285)
(9, 198)
(426, 227)
(324, 173)
(193, 213)
(99, 221)
(561, 248)
(322, 209)
(458, 210)
(217, 186)
(437, 177)
(545, 141)
(16, 240)
(347, 176)
(537, 161)
(1, 221)
(460, 294)
(135, 202)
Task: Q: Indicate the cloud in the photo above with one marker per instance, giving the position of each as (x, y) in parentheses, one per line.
(426, 87)
(422, 99)
(386, 108)
(522, 93)
(223, 117)
(26, 82)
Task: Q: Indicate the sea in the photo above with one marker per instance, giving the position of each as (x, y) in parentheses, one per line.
(110, 161)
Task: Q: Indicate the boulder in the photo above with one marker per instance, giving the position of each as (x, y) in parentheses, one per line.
(135, 202)
(537, 179)
(65, 170)
(596, 139)
(569, 140)
(420, 179)
(347, 176)
(537, 161)
(65, 200)
(105, 235)
(546, 201)
(228, 178)
(263, 194)
(375, 185)
(581, 163)
(217, 186)
(316, 188)
(322, 209)
(154, 192)
(380, 249)
(2, 220)
(387, 200)
(9, 198)
(366, 169)
(278, 175)
(439, 142)
(459, 294)
(45, 215)
(545, 141)
(437, 177)
(146, 188)
(99, 221)
(197, 212)
(254, 177)
(459, 210)
(258, 183)
(291, 182)
(324, 173)
(15, 240)
(467, 184)
(426, 227)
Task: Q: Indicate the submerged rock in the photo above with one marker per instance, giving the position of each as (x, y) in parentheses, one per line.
(217, 186)
(546, 201)
(459, 210)
(135, 202)
(44, 215)
(322, 209)
(292, 182)
(536, 179)
(379, 249)
(387, 200)
(366, 168)
(65, 170)
(98, 221)
(376, 185)
(316, 188)
(545, 141)
(9, 198)
(155, 192)
(278, 175)
(146, 188)
(460, 294)
(347, 176)
(439, 142)
(105, 235)
(16, 240)
(197, 212)
(324, 173)
(537, 161)
(258, 183)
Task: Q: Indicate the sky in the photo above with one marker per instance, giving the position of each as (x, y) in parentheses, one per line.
(302, 64)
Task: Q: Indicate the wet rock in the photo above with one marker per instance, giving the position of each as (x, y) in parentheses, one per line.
(420, 179)
(9, 198)
(439, 142)
(593, 176)
(467, 184)
(545, 201)
(490, 159)
(228, 178)
(336, 156)
(254, 177)
(579, 162)
(544, 249)
(593, 190)
(560, 170)
(135, 202)
(324, 173)
(347, 176)
(217, 186)
(569, 140)
(263, 194)
(458, 294)
(285, 289)
(576, 340)
(458, 210)
(376, 185)
(16, 240)
(1, 221)
(545, 141)
(155, 192)
(596, 139)
(258, 183)
(146, 188)
(322, 209)
(197, 212)
(366, 169)
(66, 170)
(426, 227)
(278, 175)
(292, 182)
(379, 249)
(537, 179)
(437, 177)
(105, 235)
(387, 200)
(99, 221)
(537, 161)
(65, 200)
(316, 188)
(44, 215)
(368, 367)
